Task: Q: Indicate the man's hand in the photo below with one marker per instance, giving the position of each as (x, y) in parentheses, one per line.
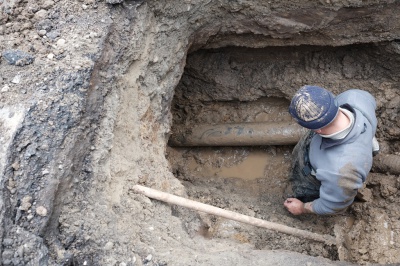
(297, 207)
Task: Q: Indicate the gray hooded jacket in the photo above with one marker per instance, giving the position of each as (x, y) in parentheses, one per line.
(343, 165)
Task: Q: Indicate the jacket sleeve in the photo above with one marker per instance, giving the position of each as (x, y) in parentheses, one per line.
(337, 190)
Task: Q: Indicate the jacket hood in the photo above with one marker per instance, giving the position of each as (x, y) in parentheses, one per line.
(362, 101)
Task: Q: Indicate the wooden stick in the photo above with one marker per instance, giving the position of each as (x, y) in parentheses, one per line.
(169, 198)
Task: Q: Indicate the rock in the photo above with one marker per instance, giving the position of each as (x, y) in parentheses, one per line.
(7, 262)
(53, 34)
(363, 250)
(108, 245)
(8, 242)
(30, 151)
(148, 258)
(48, 4)
(16, 79)
(364, 194)
(16, 261)
(26, 203)
(15, 166)
(17, 57)
(20, 251)
(41, 211)
(61, 42)
(44, 24)
(114, 1)
(41, 14)
(7, 254)
(5, 88)
(26, 25)
(29, 247)
(45, 172)
(42, 32)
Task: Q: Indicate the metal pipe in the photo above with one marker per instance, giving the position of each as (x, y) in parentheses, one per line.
(387, 163)
(240, 134)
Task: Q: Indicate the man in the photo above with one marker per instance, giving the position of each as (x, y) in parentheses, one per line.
(332, 161)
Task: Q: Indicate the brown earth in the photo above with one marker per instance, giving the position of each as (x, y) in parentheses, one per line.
(88, 110)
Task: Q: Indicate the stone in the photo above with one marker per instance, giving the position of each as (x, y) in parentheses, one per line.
(26, 203)
(108, 245)
(15, 166)
(113, 2)
(44, 24)
(61, 42)
(41, 211)
(45, 172)
(5, 88)
(41, 14)
(148, 258)
(18, 57)
(7, 262)
(48, 4)
(364, 194)
(7, 254)
(41, 33)
(8, 242)
(16, 79)
(53, 34)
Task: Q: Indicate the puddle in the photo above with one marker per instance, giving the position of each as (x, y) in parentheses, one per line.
(248, 165)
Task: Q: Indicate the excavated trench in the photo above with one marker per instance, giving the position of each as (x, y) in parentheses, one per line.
(120, 93)
(224, 92)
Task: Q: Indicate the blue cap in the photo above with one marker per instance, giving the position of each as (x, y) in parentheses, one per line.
(313, 107)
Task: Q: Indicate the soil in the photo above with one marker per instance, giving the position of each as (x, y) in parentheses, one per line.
(91, 91)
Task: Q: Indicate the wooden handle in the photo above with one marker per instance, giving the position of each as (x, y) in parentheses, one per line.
(198, 206)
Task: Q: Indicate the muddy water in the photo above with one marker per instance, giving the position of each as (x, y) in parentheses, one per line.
(254, 163)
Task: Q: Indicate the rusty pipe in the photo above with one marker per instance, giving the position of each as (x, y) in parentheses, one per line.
(239, 134)
(387, 163)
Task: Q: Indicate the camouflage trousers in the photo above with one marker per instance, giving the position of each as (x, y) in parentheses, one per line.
(305, 186)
